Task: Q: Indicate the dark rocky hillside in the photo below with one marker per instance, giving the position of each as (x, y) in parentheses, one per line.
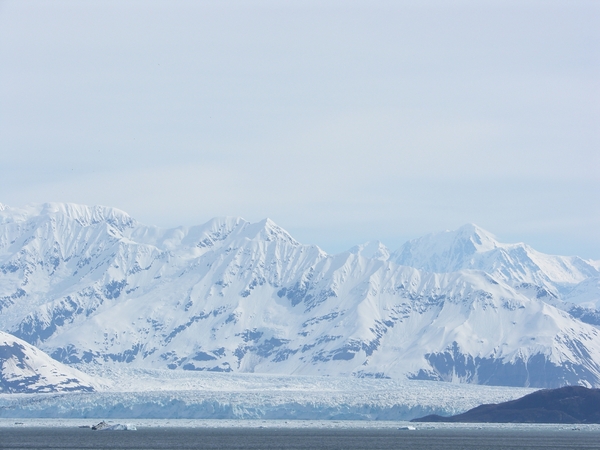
(570, 404)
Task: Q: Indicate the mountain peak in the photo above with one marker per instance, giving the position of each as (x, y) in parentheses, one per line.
(269, 231)
(372, 250)
(481, 239)
(83, 214)
(88, 215)
(472, 248)
(445, 251)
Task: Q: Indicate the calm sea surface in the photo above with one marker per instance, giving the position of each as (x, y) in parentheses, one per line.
(252, 438)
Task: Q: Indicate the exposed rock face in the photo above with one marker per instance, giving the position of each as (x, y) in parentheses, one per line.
(569, 404)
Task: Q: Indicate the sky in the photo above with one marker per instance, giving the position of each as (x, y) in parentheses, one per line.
(342, 121)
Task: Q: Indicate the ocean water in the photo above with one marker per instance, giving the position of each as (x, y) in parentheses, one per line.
(346, 438)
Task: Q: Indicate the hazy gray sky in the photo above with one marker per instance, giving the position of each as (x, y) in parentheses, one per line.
(343, 121)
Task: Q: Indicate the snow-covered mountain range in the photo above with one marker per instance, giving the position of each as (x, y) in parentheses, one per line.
(91, 285)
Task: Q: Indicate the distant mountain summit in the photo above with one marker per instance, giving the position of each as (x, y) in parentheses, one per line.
(447, 251)
(91, 285)
(568, 278)
(372, 249)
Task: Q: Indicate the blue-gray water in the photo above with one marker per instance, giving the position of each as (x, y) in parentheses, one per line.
(252, 438)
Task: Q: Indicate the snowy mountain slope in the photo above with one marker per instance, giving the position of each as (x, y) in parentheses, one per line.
(26, 369)
(90, 285)
(552, 278)
(585, 293)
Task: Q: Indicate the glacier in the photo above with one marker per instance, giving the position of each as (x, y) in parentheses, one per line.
(167, 394)
(92, 287)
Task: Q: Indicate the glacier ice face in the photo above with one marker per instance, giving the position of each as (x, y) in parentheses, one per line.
(90, 285)
(144, 393)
